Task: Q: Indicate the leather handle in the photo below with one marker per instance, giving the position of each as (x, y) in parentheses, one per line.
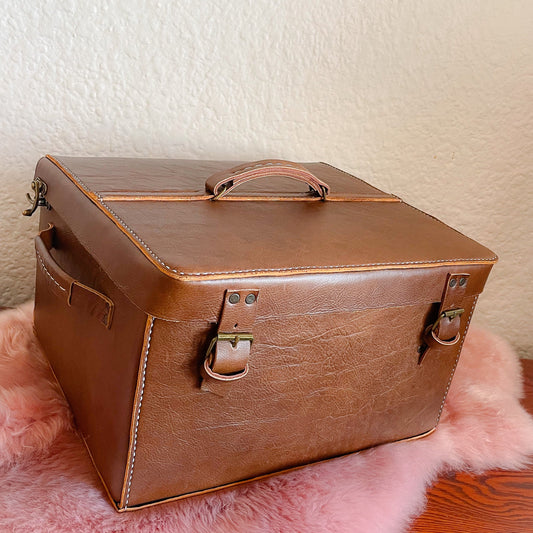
(76, 293)
(222, 183)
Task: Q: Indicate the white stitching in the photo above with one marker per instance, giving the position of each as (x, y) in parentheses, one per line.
(457, 359)
(288, 269)
(101, 200)
(327, 267)
(48, 273)
(139, 412)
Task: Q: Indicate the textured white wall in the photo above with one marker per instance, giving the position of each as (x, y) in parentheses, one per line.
(429, 99)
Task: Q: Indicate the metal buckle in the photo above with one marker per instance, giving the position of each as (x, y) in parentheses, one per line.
(234, 338)
(451, 314)
(431, 330)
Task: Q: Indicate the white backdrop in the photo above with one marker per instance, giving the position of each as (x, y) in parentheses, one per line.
(431, 100)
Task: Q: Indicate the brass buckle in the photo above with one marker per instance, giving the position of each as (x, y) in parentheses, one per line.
(451, 314)
(431, 330)
(234, 338)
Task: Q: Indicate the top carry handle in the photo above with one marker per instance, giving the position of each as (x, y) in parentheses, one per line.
(222, 183)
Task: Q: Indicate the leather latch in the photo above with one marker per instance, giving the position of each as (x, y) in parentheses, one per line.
(451, 315)
(229, 351)
(445, 331)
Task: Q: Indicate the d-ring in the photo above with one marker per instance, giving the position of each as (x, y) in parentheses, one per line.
(224, 377)
(450, 342)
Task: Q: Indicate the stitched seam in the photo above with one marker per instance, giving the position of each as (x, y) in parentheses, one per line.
(288, 269)
(456, 359)
(48, 273)
(325, 267)
(139, 412)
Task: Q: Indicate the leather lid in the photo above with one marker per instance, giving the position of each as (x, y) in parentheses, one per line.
(170, 231)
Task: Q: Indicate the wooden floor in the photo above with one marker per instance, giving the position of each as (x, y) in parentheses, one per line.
(496, 501)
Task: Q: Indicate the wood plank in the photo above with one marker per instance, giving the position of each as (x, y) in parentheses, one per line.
(497, 501)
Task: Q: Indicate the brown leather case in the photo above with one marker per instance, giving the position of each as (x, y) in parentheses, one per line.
(212, 326)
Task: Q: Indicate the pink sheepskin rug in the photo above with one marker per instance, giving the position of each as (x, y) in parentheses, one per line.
(47, 482)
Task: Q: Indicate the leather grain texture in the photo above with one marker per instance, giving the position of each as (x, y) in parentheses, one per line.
(319, 386)
(344, 290)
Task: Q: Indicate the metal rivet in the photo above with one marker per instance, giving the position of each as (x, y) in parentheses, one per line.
(234, 298)
(250, 299)
(453, 282)
(462, 282)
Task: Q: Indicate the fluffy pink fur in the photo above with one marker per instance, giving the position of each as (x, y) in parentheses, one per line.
(47, 482)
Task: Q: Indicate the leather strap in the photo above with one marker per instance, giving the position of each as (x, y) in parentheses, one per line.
(228, 355)
(445, 330)
(222, 183)
(77, 294)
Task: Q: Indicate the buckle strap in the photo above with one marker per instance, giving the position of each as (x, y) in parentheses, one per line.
(229, 351)
(227, 356)
(445, 330)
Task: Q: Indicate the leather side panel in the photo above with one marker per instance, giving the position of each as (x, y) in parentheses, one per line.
(96, 367)
(318, 386)
(230, 485)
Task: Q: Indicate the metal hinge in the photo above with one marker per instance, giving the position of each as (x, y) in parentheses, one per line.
(39, 188)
